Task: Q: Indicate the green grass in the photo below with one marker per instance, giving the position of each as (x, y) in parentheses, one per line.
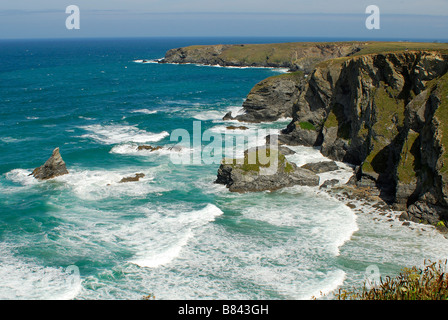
(307, 126)
(427, 283)
(331, 120)
(375, 47)
(296, 76)
(406, 166)
(247, 164)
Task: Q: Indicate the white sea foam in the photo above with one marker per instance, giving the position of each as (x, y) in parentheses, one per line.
(165, 257)
(114, 134)
(86, 118)
(332, 281)
(22, 177)
(208, 115)
(200, 113)
(158, 255)
(132, 149)
(13, 140)
(102, 184)
(143, 61)
(144, 111)
(23, 279)
(275, 69)
(306, 155)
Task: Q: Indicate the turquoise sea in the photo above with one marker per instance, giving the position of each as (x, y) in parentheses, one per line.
(174, 234)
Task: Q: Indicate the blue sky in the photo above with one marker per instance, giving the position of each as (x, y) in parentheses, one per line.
(407, 19)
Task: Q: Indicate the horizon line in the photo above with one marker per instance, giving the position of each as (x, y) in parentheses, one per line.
(333, 39)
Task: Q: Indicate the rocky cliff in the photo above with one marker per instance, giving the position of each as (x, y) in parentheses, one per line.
(387, 114)
(295, 56)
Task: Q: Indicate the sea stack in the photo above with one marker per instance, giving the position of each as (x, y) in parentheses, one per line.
(54, 167)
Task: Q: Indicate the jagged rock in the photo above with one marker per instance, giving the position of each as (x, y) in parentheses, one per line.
(135, 178)
(228, 116)
(52, 168)
(277, 174)
(321, 167)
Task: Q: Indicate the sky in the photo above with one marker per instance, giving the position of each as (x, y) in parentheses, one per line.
(399, 19)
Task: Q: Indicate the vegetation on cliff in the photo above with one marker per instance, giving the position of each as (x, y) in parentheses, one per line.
(427, 283)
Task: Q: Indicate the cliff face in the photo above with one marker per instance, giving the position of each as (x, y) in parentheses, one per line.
(386, 114)
(295, 56)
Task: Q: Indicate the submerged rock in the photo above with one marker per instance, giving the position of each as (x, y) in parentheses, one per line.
(52, 168)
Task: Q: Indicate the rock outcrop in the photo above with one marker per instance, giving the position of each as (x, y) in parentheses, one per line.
(263, 169)
(271, 99)
(53, 167)
(387, 114)
(135, 178)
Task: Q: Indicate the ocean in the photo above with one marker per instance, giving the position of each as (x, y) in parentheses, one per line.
(174, 234)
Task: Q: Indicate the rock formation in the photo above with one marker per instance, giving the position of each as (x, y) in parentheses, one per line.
(387, 114)
(255, 174)
(135, 178)
(271, 99)
(52, 168)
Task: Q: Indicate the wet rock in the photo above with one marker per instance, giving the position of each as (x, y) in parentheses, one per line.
(53, 167)
(228, 116)
(148, 148)
(135, 178)
(321, 167)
